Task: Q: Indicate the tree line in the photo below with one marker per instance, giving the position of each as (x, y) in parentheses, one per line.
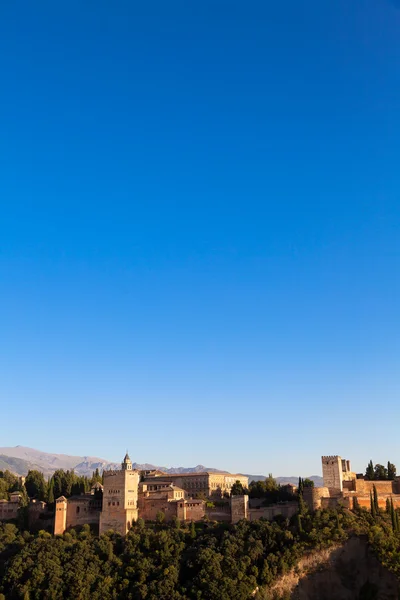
(380, 472)
(61, 483)
(270, 491)
(203, 561)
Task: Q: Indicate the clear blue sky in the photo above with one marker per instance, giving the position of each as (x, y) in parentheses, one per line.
(200, 231)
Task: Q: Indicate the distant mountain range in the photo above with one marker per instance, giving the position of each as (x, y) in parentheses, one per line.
(20, 460)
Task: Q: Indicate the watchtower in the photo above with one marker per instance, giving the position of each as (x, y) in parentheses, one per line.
(120, 497)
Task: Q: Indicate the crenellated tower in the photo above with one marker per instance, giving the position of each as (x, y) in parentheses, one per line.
(336, 471)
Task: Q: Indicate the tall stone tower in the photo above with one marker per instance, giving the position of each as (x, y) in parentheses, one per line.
(120, 498)
(332, 472)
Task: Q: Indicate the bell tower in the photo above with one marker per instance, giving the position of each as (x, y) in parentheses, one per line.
(126, 463)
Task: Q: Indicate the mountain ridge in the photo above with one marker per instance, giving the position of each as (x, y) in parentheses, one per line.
(21, 459)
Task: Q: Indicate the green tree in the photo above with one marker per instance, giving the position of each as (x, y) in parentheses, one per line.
(391, 471)
(372, 504)
(393, 516)
(388, 506)
(302, 505)
(376, 503)
(381, 472)
(237, 489)
(35, 485)
(270, 484)
(300, 486)
(370, 471)
(299, 523)
(50, 492)
(192, 530)
(308, 483)
(160, 517)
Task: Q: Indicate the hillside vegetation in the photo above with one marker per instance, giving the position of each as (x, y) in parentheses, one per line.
(181, 562)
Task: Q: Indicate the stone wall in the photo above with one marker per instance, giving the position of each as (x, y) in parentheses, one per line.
(313, 496)
(363, 486)
(219, 513)
(239, 508)
(203, 484)
(39, 516)
(269, 512)
(8, 510)
(195, 511)
(83, 510)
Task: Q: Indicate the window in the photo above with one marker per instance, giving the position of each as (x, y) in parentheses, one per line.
(78, 509)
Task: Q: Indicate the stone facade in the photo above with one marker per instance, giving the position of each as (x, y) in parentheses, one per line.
(201, 485)
(79, 510)
(336, 471)
(9, 508)
(287, 510)
(239, 508)
(342, 486)
(120, 499)
(125, 498)
(162, 496)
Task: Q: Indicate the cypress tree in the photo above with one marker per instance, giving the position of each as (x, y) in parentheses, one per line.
(376, 503)
(391, 468)
(50, 494)
(370, 471)
(393, 515)
(299, 523)
(302, 505)
(192, 530)
(373, 512)
(388, 508)
(301, 486)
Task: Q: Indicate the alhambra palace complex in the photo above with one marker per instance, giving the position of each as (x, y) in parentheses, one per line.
(128, 494)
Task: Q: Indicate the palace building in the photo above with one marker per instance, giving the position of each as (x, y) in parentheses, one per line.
(123, 498)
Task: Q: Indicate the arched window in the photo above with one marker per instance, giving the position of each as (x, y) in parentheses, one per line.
(78, 508)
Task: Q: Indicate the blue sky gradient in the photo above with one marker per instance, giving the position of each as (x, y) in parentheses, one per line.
(200, 231)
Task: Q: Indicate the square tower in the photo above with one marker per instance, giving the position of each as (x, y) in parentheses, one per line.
(120, 499)
(332, 472)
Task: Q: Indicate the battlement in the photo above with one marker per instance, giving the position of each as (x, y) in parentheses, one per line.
(335, 457)
(110, 473)
(113, 472)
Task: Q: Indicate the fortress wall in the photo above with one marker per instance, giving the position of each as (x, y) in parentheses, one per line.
(269, 512)
(335, 501)
(195, 511)
(313, 496)
(79, 512)
(150, 507)
(219, 513)
(239, 508)
(382, 487)
(8, 510)
(365, 502)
